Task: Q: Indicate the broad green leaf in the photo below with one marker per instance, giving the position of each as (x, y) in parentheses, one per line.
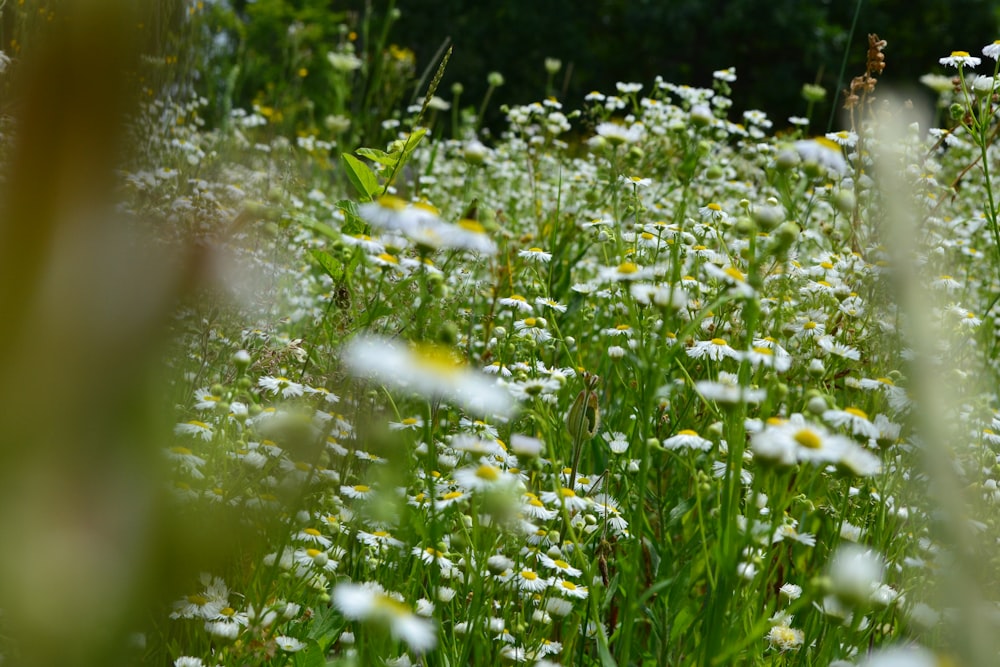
(411, 143)
(318, 227)
(648, 594)
(361, 177)
(311, 656)
(333, 267)
(375, 155)
(681, 622)
(352, 223)
(603, 650)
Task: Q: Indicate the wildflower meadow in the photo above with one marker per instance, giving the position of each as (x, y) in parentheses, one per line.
(651, 381)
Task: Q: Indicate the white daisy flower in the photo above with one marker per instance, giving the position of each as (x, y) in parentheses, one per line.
(687, 439)
(426, 369)
(960, 59)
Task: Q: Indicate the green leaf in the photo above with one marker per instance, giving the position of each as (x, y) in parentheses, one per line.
(353, 224)
(326, 626)
(376, 155)
(333, 267)
(356, 259)
(318, 227)
(402, 151)
(682, 621)
(603, 650)
(609, 593)
(361, 177)
(411, 143)
(648, 594)
(311, 656)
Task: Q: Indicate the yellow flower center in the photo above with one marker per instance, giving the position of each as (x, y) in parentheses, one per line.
(855, 412)
(808, 439)
(437, 359)
(392, 203)
(471, 226)
(829, 144)
(487, 472)
(426, 207)
(735, 274)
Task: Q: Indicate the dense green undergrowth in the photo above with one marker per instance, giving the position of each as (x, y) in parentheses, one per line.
(687, 391)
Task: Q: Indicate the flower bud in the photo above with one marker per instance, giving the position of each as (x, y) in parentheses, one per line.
(474, 152)
(787, 159)
(768, 217)
(813, 93)
(843, 201)
(701, 115)
(854, 573)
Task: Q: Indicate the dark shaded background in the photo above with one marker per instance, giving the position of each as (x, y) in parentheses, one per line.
(237, 52)
(776, 45)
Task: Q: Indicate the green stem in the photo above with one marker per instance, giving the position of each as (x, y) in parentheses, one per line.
(843, 63)
(992, 210)
(482, 107)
